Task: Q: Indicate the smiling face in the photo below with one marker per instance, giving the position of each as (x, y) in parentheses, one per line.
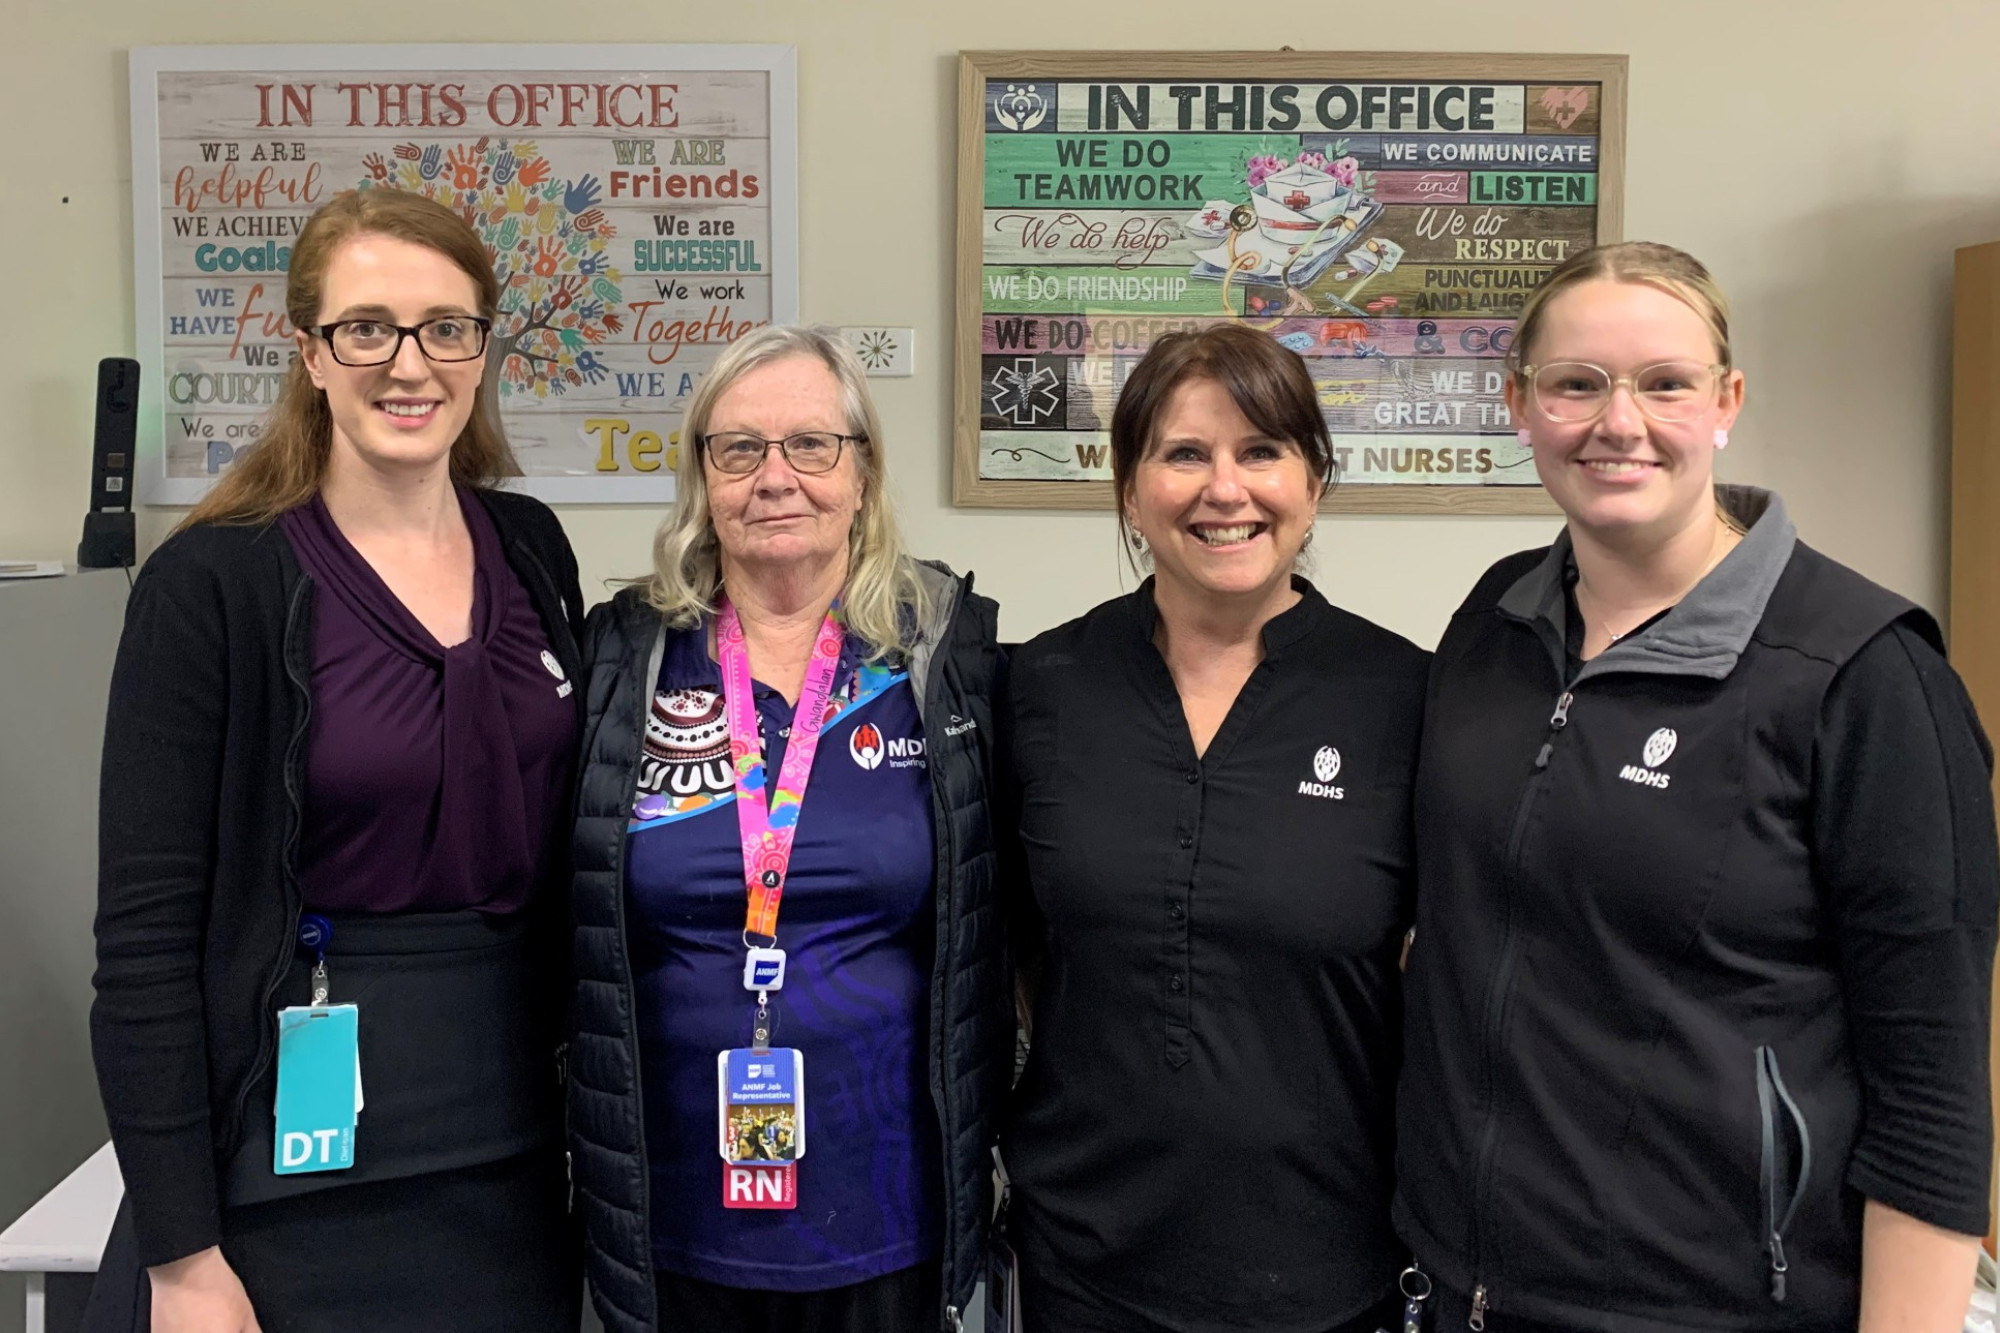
(1624, 475)
(777, 518)
(1224, 507)
(401, 417)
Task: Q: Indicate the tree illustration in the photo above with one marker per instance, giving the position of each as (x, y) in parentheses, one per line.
(548, 240)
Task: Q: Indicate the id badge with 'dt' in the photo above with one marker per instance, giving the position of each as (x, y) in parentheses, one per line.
(319, 1088)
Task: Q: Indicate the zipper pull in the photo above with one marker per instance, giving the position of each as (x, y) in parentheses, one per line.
(1778, 1267)
(1476, 1321)
(1557, 721)
(952, 1317)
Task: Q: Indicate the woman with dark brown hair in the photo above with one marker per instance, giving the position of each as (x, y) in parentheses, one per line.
(1212, 777)
(331, 917)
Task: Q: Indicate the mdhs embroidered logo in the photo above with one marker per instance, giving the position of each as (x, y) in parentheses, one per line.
(1325, 767)
(866, 745)
(1659, 748)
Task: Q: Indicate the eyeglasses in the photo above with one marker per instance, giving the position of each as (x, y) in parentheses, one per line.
(372, 342)
(809, 451)
(1574, 392)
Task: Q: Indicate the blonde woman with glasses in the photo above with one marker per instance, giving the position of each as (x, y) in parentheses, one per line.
(1697, 1009)
(793, 1023)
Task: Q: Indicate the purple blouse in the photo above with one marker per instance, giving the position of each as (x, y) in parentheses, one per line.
(435, 777)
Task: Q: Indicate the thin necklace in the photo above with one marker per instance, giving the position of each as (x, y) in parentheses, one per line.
(1732, 529)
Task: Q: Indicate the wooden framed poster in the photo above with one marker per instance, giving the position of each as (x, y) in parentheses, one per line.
(1384, 215)
(640, 204)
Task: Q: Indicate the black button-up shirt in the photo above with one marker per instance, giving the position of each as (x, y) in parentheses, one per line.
(1203, 1135)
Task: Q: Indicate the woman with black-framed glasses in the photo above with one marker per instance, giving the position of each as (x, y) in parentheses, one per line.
(791, 1009)
(332, 913)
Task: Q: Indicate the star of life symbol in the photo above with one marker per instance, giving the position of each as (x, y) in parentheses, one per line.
(1024, 393)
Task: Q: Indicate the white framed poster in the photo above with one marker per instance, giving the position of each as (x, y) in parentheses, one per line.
(640, 204)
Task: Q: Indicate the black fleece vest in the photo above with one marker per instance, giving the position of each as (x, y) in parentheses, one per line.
(1638, 961)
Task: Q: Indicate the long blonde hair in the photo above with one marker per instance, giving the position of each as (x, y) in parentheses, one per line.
(287, 465)
(885, 602)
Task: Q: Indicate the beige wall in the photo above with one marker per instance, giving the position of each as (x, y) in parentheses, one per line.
(1825, 159)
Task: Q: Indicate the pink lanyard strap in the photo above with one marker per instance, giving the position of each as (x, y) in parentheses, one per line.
(769, 825)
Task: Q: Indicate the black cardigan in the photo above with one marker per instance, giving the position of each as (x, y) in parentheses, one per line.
(199, 813)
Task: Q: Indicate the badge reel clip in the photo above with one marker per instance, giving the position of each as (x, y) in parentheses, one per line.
(314, 933)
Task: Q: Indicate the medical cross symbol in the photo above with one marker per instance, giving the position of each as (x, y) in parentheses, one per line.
(1024, 393)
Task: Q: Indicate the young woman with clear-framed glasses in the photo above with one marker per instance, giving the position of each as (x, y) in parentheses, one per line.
(337, 771)
(1706, 885)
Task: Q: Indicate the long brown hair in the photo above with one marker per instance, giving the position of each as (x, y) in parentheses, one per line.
(286, 466)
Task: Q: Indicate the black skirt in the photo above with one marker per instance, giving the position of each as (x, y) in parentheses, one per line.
(455, 1214)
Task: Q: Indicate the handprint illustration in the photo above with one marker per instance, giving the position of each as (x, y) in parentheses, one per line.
(548, 259)
(582, 194)
(468, 169)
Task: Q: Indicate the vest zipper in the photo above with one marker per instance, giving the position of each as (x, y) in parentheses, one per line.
(647, 685)
(288, 862)
(1772, 1094)
(1496, 1005)
(941, 971)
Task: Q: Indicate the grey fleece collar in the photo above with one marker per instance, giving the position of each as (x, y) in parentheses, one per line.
(1707, 631)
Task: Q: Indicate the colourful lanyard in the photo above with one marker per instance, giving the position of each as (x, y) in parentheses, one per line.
(768, 828)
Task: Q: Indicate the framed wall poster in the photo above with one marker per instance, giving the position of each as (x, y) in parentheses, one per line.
(640, 204)
(1384, 215)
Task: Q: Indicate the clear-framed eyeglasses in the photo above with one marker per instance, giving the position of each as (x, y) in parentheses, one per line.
(374, 342)
(809, 452)
(1575, 392)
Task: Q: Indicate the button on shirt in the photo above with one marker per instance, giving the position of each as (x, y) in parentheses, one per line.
(858, 923)
(1202, 1136)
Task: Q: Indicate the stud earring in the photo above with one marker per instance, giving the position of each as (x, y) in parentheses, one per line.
(1527, 440)
(1722, 439)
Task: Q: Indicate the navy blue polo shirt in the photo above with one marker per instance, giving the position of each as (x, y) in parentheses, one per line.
(858, 923)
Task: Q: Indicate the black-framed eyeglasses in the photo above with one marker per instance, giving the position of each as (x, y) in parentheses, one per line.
(375, 342)
(811, 451)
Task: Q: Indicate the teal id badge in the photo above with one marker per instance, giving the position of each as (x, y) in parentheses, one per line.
(319, 1088)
